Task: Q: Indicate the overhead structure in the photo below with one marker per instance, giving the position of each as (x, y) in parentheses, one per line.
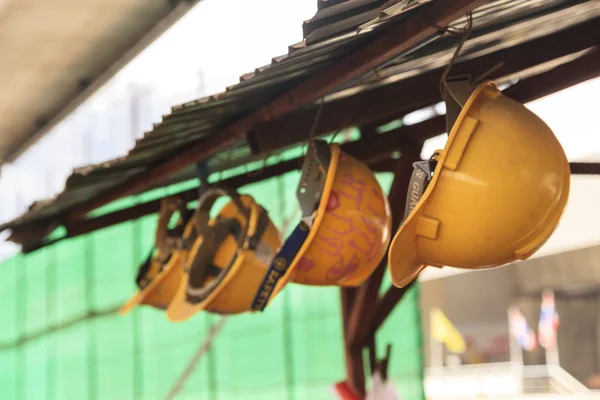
(541, 43)
(55, 54)
(362, 63)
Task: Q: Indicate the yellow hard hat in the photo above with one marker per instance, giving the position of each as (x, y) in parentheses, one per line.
(229, 258)
(496, 194)
(159, 276)
(345, 228)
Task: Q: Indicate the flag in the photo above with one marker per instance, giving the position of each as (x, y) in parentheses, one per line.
(443, 331)
(521, 331)
(549, 321)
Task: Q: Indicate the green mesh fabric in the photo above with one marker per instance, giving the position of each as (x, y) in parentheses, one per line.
(60, 337)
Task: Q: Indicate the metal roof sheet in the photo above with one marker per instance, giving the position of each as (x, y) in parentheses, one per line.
(499, 24)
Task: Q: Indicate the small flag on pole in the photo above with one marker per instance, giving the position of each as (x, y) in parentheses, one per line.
(521, 331)
(549, 321)
(442, 330)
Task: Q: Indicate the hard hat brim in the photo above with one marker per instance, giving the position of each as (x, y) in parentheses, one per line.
(404, 262)
(320, 214)
(139, 298)
(180, 309)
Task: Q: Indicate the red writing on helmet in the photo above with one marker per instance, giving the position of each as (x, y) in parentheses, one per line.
(331, 245)
(353, 189)
(344, 225)
(340, 269)
(372, 223)
(349, 242)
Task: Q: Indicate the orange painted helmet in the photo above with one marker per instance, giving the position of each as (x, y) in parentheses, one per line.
(228, 259)
(159, 276)
(345, 229)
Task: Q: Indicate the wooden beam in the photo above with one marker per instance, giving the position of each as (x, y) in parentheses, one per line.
(75, 228)
(386, 304)
(375, 150)
(367, 294)
(358, 311)
(347, 295)
(388, 44)
(376, 155)
(585, 168)
(423, 90)
(354, 358)
(561, 77)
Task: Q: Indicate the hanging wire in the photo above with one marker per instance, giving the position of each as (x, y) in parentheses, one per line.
(454, 30)
(346, 122)
(487, 73)
(465, 32)
(313, 130)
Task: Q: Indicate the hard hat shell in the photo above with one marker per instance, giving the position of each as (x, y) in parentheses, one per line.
(241, 263)
(497, 193)
(163, 286)
(159, 276)
(350, 231)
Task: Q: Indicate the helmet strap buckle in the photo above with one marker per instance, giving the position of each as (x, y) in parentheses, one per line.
(312, 179)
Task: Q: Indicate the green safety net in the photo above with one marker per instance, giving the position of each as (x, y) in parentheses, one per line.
(61, 339)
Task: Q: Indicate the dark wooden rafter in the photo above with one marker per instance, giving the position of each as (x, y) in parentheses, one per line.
(374, 150)
(354, 358)
(579, 168)
(357, 315)
(385, 305)
(387, 45)
(561, 77)
(375, 154)
(410, 94)
(368, 293)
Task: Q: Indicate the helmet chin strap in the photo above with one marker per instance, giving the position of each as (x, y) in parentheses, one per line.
(309, 192)
(421, 176)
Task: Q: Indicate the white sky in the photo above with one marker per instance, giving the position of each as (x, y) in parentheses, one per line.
(230, 38)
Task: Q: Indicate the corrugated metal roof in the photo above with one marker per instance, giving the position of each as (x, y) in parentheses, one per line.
(499, 24)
